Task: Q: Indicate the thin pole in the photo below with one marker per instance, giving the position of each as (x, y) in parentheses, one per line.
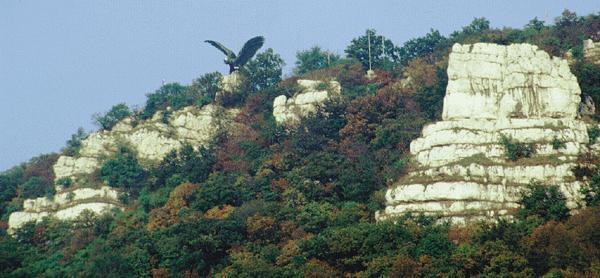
(369, 43)
(382, 47)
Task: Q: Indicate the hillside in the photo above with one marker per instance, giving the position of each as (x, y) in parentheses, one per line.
(468, 155)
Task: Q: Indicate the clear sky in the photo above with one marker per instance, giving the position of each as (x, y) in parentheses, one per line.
(62, 61)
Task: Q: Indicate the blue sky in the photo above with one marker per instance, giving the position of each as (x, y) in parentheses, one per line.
(62, 61)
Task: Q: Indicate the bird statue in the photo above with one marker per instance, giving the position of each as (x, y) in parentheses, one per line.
(248, 50)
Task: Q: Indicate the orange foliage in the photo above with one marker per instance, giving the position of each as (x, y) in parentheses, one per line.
(421, 74)
(316, 268)
(219, 212)
(160, 273)
(169, 214)
(41, 167)
(289, 250)
(279, 185)
(364, 115)
(260, 227)
(406, 267)
(458, 234)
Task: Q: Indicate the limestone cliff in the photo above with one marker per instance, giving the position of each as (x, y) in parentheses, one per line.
(151, 140)
(515, 91)
(313, 93)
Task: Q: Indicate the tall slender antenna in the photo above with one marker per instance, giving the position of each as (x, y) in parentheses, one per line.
(382, 46)
(369, 44)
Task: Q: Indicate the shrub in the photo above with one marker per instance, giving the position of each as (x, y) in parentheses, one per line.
(514, 150)
(593, 134)
(74, 144)
(112, 117)
(591, 192)
(557, 143)
(169, 95)
(123, 170)
(65, 182)
(546, 202)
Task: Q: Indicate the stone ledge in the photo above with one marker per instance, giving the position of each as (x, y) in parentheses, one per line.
(18, 219)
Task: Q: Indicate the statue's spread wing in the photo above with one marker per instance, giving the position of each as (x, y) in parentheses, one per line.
(249, 49)
(223, 49)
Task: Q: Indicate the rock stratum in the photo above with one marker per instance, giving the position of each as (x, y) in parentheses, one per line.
(494, 91)
(151, 140)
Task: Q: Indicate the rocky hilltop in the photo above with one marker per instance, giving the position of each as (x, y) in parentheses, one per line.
(516, 94)
(151, 140)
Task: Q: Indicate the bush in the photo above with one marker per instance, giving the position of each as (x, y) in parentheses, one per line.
(593, 134)
(65, 182)
(591, 192)
(514, 150)
(112, 117)
(557, 143)
(546, 202)
(169, 95)
(123, 170)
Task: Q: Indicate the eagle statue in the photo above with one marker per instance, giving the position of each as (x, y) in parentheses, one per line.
(248, 50)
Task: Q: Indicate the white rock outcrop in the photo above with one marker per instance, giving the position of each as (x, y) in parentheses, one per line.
(313, 93)
(516, 91)
(591, 51)
(152, 139)
(66, 205)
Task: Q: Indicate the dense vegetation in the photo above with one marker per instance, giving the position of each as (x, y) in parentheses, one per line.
(265, 201)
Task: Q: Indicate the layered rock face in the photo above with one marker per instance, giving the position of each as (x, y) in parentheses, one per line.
(494, 91)
(66, 205)
(313, 93)
(152, 140)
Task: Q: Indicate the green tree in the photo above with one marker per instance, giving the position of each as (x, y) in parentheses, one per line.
(384, 55)
(535, 24)
(123, 170)
(420, 47)
(112, 117)
(205, 87)
(314, 59)
(264, 70)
